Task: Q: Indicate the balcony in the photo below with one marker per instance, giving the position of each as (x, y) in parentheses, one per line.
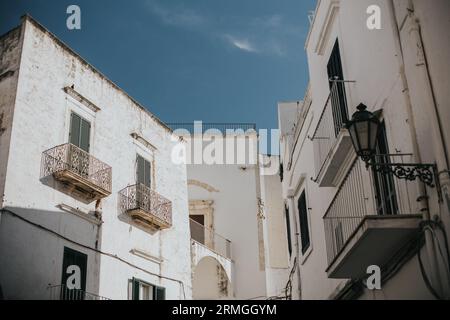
(78, 170)
(331, 140)
(61, 292)
(362, 227)
(209, 239)
(146, 207)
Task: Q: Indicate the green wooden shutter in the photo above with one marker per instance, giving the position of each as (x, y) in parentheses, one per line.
(135, 289)
(140, 173)
(159, 293)
(143, 173)
(80, 132)
(85, 133)
(147, 173)
(75, 124)
(73, 257)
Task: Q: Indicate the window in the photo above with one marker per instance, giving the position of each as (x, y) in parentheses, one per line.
(141, 290)
(288, 229)
(304, 228)
(338, 97)
(385, 195)
(143, 171)
(80, 131)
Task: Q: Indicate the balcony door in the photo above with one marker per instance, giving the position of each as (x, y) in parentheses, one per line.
(337, 89)
(143, 181)
(197, 226)
(385, 195)
(143, 171)
(79, 136)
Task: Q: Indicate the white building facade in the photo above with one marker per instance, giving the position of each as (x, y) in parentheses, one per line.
(345, 217)
(92, 204)
(224, 207)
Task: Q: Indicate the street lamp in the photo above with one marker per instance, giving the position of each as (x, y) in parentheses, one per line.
(363, 129)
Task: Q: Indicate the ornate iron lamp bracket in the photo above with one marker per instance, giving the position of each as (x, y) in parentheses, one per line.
(425, 172)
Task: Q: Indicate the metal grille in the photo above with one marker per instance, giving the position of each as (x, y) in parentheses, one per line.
(71, 158)
(139, 196)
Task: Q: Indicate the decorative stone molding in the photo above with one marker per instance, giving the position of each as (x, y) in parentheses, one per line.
(202, 185)
(332, 11)
(84, 101)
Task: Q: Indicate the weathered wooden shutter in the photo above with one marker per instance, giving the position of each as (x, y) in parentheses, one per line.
(143, 173)
(80, 132)
(75, 125)
(85, 133)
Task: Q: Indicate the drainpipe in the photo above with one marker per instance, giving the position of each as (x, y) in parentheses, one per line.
(297, 244)
(423, 198)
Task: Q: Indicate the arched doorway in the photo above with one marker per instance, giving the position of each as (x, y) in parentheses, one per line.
(210, 281)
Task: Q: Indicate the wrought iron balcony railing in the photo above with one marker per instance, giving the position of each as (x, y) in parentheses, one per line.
(332, 119)
(364, 194)
(74, 166)
(146, 207)
(210, 239)
(61, 292)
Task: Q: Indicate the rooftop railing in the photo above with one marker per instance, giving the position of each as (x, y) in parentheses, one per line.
(191, 127)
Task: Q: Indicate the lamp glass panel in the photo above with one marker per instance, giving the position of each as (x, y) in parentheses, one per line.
(362, 130)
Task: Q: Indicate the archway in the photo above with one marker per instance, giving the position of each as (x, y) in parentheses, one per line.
(210, 281)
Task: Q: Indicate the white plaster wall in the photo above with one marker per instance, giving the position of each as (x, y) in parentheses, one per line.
(41, 122)
(274, 226)
(235, 218)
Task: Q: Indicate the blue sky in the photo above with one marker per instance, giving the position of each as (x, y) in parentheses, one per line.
(210, 60)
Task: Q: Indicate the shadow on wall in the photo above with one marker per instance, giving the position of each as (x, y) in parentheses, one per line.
(36, 245)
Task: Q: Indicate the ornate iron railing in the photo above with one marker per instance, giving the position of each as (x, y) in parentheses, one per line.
(363, 193)
(61, 292)
(71, 158)
(332, 119)
(141, 197)
(210, 239)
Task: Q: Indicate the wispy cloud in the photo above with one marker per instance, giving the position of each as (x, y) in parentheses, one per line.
(267, 35)
(242, 44)
(177, 16)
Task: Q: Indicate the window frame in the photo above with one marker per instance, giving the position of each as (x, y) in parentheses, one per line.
(135, 290)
